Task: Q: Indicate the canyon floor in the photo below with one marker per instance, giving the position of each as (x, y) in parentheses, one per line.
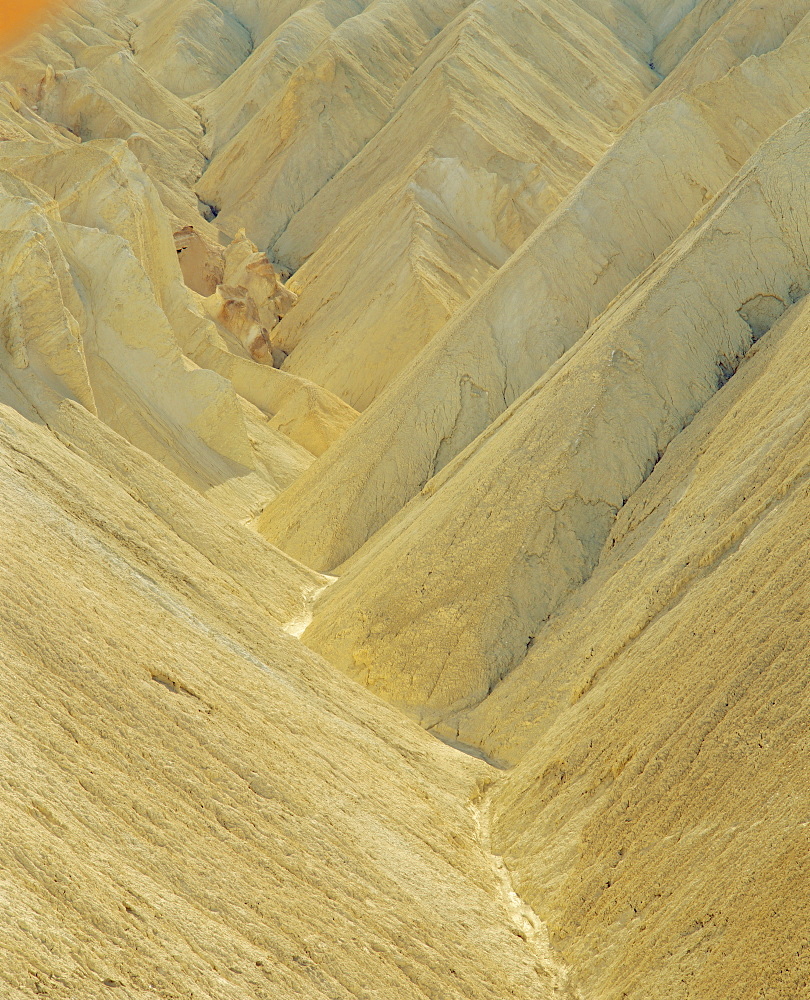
(405, 469)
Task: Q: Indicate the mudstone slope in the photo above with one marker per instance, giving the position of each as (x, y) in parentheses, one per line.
(404, 462)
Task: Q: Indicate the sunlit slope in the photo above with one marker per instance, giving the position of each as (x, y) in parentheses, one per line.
(507, 113)
(640, 196)
(95, 311)
(312, 125)
(717, 36)
(82, 75)
(237, 100)
(453, 596)
(556, 252)
(100, 123)
(193, 802)
(715, 491)
(672, 702)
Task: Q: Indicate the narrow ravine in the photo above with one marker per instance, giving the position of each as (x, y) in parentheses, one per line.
(526, 924)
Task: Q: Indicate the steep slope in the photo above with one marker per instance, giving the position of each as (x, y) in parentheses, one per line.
(545, 83)
(411, 616)
(228, 108)
(88, 245)
(557, 250)
(82, 75)
(510, 109)
(192, 802)
(330, 106)
(491, 113)
(641, 195)
(679, 745)
(710, 495)
(189, 46)
(98, 91)
(745, 28)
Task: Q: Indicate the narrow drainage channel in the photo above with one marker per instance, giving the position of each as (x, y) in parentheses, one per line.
(470, 750)
(526, 923)
(300, 623)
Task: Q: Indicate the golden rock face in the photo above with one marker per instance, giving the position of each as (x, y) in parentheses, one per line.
(372, 372)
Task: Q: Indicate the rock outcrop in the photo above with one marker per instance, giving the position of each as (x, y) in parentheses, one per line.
(477, 171)
(202, 262)
(243, 292)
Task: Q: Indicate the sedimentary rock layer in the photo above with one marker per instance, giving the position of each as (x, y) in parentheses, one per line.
(643, 193)
(503, 535)
(496, 312)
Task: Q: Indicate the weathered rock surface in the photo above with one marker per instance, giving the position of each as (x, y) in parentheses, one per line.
(429, 634)
(243, 293)
(556, 252)
(541, 302)
(682, 662)
(112, 96)
(202, 262)
(480, 168)
(193, 802)
(706, 500)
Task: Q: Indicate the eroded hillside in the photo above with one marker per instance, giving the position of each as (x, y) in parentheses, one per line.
(371, 367)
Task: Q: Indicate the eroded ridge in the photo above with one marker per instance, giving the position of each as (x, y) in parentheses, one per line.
(370, 367)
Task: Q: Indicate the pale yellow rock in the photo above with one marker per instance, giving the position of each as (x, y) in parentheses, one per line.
(678, 747)
(747, 27)
(118, 263)
(202, 262)
(455, 593)
(267, 70)
(541, 301)
(537, 267)
(307, 413)
(677, 43)
(480, 168)
(82, 76)
(311, 416)
(188, 46)
(708, 498)
(332, 104)
(192, 802)
(564, 86)
(42, 315)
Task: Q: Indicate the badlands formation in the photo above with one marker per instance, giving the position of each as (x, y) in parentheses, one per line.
(405, 463)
